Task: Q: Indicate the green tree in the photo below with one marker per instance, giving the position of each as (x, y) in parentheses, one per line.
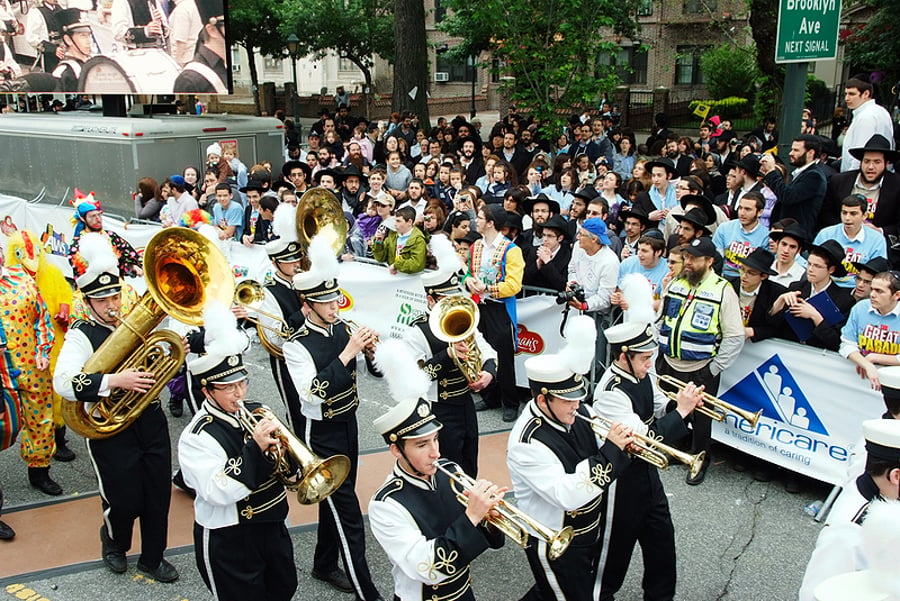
(764, 28)
(357, 30)
(550, 47)
(729, 70)
(874, 46)
(252, 24)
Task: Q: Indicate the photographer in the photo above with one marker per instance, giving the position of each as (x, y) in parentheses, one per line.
(594, 267)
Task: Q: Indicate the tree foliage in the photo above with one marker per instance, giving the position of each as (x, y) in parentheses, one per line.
(550, 47)
(358, 30)
(874, 46)
(729, 70)
(253, 25)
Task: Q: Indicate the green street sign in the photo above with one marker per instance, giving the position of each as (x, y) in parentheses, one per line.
(807, 30)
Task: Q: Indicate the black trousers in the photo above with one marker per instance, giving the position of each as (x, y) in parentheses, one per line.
(572, 577)
(246, 561)
(288, 392)
(341, 530)
(701, 425)
(459, 436)
(496, 327)
(133, 469)
(636, 511)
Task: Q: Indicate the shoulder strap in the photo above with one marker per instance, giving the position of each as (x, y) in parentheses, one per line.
(208, 74)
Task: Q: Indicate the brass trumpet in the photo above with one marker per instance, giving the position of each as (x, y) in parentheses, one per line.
(250, 295)
(353, 327)
(512, 521)
(712, 407)
(315, 478)
(647, 447)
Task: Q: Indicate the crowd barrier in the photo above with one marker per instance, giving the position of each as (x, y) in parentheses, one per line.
(812, 400)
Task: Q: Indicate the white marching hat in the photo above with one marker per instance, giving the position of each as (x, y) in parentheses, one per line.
(560, 374)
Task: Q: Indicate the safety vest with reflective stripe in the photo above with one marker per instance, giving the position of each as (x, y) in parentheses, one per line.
(690, 329)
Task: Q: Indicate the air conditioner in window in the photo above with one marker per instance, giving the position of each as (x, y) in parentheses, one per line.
(235, 68)
(441, 76)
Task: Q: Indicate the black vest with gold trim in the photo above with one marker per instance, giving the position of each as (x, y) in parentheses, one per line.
(334, 383)
(452, 386)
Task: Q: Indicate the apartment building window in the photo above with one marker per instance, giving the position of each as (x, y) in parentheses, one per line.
(645, 8)
(687, 65)
(630, 64)
(345, 65)
(699, 7)
(271, 63)
(439, 11)
(456, 70)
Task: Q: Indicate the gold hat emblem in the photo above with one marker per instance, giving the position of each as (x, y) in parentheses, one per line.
(233, 360)
(423, 410)
(105, 279)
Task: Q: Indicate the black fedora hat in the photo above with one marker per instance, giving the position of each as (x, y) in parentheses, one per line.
(587, 193)
(703, 202)
(834, 253)
(697, 218)
(353, 171)
(760, 260)
(876, 143)
(290, 165)
(637, 212)
(750, 164)
(530, 201)
(792, 231)
(334, 173)
(874, 266)
(556, 222)
(664, 162)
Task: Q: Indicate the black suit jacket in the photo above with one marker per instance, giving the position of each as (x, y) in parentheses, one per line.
(801, 198)
(551, 275)
(887, 213)
(824, 335)
(764, 325)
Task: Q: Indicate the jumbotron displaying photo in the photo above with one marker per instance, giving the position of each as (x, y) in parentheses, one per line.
(114, 47)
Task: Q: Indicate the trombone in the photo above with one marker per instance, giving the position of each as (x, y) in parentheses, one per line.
(315, 478)
(250, 295)
(512, 521)
(712, 407)
(647, 447)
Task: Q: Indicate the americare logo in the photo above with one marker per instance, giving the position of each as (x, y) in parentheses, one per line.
(772, 388)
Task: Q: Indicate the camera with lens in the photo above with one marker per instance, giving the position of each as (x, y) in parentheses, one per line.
(576, 293)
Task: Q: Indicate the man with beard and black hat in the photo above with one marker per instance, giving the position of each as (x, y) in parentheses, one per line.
(353, 193)
(802, 198)
(701, 333)
(207, 73)
(811, 326)
(540, 208)
(869, 119)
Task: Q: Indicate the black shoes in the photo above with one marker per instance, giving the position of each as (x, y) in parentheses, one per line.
(63, 452)
(114, 560)
(165, 572)
(698, 478)
(176, 407)
(180, 484)
(510, 414)
(481, 406)
(6, 532)
(39, 477)
(336, 578)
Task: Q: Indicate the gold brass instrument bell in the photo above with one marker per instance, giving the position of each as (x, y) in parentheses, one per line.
(712, 407)
(648, 448)
(319, 213)
(183, 270)
(454, 319)
(512, 521)
(312, 477)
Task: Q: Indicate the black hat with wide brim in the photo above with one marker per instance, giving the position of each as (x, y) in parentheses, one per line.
(834, 253)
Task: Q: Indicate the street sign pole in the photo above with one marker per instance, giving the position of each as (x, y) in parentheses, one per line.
(791, 106)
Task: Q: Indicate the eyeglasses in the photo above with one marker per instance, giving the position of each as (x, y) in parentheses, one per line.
(234, 387)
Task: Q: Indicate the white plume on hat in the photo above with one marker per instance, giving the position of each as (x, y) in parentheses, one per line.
(581, 338)
(283, 223)
(880, 538)
(405, 380)
(323, 262)
(222, 337)
(96, 250)
(638, 294)
(445, 255)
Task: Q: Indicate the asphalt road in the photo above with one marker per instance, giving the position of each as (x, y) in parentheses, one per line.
(737, 539)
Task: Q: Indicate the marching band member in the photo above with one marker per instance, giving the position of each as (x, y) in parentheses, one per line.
(453, 405)
(241, 542)
(428, 535)
(133, 466)
(321, 358)
(75, 31)
(635, 508)
(282, 301)
(560, 469)
(838, 548)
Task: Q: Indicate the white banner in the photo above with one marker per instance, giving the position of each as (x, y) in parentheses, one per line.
(539, 318)
(813, 407)
(376, 299)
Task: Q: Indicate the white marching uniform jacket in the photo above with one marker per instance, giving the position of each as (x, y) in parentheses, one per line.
(617, 406)
(839, 546)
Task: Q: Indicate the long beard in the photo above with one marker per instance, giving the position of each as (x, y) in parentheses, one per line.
(693, 277)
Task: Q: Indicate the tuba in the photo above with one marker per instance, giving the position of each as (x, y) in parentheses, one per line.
(316, 478)
(513, 522)
(454, 319)
(319, 213)
(183, 270)
(250, 295)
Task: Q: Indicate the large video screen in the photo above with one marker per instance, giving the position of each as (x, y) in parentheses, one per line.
(114, 47)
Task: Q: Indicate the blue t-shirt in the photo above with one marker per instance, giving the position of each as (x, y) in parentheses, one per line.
(871, 331)
(734, 243)
(233, 215)
(867, 245)
(654, 276)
